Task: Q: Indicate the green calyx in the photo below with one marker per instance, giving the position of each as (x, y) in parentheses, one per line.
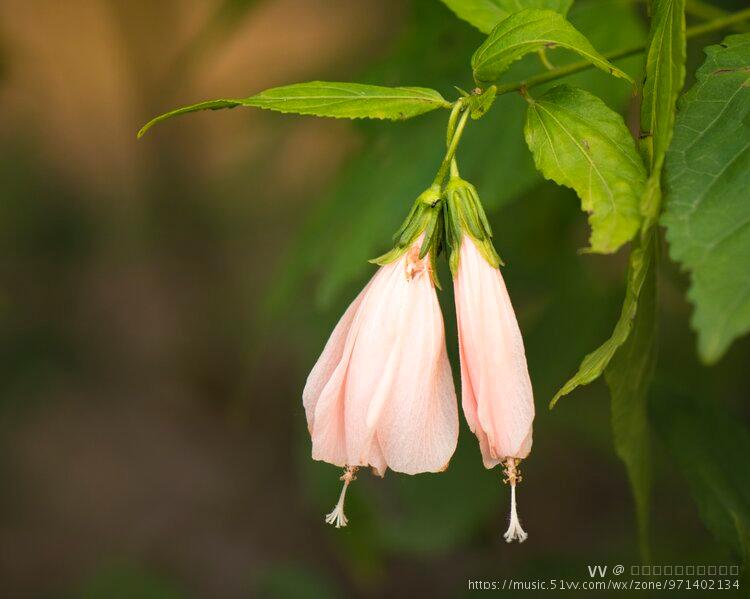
(449, 210)
(464, 215)
(425, 216)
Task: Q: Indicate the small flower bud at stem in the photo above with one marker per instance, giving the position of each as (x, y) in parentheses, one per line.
(337, 516)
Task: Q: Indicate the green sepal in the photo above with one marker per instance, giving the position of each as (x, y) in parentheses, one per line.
(390, 256)
(425, 216)
(414, 223)
(436, 246)
(473, 222)
(429, 235)
(397, 235)
(464, 215)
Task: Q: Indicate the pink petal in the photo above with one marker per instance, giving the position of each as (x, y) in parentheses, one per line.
(332, 432)
(328, 431)
(469, 404)
(328, 360)
(418, 425)
(376, 459)
(374, 359)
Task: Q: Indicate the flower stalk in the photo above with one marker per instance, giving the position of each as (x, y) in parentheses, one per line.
(454, 137)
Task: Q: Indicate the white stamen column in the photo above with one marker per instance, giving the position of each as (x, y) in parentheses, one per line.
(337, 516)
(513, 476)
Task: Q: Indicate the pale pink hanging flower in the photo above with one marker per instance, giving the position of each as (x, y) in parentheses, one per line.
(381, 393)
(496, 392)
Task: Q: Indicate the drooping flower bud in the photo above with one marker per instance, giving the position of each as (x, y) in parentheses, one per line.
(381, 393)
(496, 392)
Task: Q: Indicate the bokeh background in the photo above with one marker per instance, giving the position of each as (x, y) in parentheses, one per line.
(162, 301)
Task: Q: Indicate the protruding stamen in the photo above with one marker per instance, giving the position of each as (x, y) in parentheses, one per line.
(337, 516)
(514, 532)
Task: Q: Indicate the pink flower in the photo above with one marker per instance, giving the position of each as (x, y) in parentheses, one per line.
(496, 390)
(381, 393)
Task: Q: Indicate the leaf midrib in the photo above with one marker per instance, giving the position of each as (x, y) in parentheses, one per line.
(340, 98)
(589, 160)
(622, 150)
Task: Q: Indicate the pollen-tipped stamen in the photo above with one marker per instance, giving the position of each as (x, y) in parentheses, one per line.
(337, 516)
(513, 476)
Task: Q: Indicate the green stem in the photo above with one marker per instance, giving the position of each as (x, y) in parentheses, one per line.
(697, 30)
(451, 129)
(452, 147)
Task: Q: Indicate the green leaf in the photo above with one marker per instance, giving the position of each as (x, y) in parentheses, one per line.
(593, 364)
(628, 357)
(665, 76)
(711, 447)
(528, 31)
(628, 360)
(327, 99)
(707, 213)
(579, 142)
(629, 376)
(485, 14)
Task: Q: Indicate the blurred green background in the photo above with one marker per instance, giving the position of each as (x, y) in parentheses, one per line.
(163, 301)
